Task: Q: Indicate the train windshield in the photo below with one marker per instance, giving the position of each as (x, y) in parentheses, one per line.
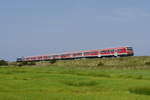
(129, 48)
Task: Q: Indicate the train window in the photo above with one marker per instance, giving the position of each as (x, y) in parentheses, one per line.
(112, 51)
(102, 51)
(55, 56)
(129, 48)
(77, 54)
(88, 53)
(109, 51)
(120, 50)
(64, 55)
(19, 59)
(106, 51)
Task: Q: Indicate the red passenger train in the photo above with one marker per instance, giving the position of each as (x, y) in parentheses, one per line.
(99, 53)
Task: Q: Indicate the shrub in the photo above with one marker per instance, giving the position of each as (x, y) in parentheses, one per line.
(31, 63)
(147, 63)
(100, 64)
(3, 63)
(25, 63)
(139, 77)
(19, 64)
(52, 61)
(12, 63)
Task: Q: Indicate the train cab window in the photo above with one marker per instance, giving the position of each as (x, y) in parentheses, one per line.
(129, 48)
(121, 50)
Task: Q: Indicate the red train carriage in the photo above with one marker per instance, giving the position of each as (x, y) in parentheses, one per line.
(109, 52)
(121, 51)
(77, 55)
(66, 56)
(57, 57)
(91, 53)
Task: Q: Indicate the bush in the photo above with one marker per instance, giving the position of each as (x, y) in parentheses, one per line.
(52, 61)
(12, 63)
(3, 63)
(31, 63)
(147, 63)
(100, 64)
(25, 63)
(19, 64)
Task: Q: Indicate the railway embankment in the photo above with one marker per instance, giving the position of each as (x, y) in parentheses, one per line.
(135, 62)
(139, 62)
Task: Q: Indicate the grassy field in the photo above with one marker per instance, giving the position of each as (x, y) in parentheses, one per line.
(87, 79)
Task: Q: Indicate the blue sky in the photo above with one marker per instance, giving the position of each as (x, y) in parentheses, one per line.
(34, 27)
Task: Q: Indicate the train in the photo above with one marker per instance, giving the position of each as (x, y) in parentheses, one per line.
(98, 53)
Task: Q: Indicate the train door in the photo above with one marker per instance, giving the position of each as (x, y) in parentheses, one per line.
(116, 53)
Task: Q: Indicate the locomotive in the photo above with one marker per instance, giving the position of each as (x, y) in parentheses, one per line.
(99, 53)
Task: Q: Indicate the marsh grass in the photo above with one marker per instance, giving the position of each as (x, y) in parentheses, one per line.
(71, 83)
(126, 78)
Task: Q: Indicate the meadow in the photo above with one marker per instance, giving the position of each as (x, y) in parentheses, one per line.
(126, 78)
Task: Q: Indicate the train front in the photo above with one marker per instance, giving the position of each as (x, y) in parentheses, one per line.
(130, 51)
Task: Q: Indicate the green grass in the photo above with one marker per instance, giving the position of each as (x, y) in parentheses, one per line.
(122, 62)
(87, 79)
